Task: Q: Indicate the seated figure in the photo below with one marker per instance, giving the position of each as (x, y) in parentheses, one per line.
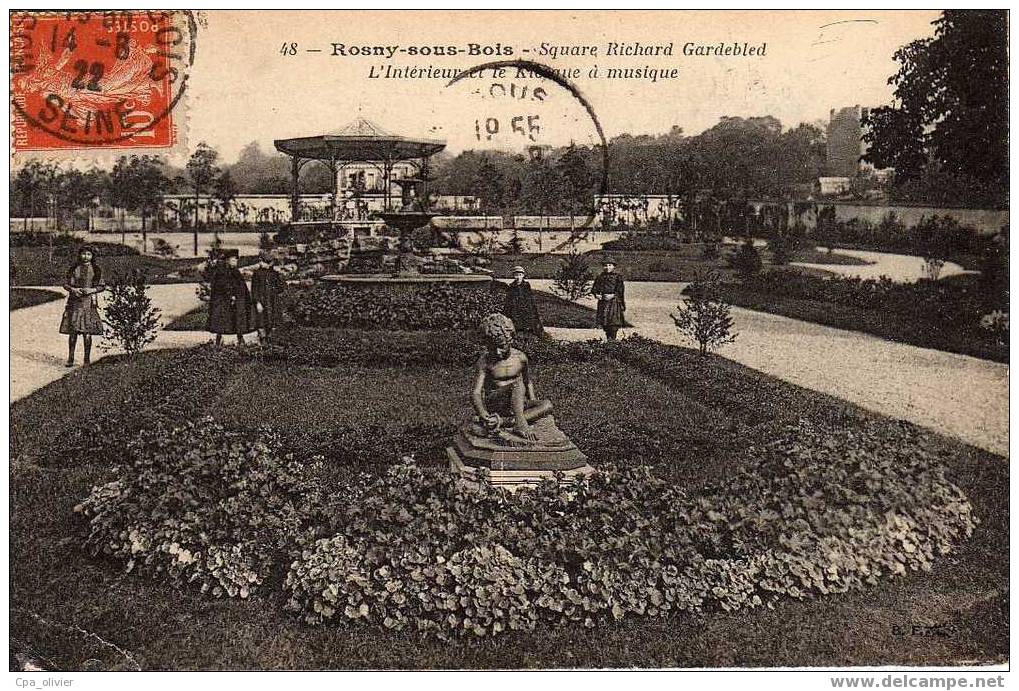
(503, 392)
(514, 440)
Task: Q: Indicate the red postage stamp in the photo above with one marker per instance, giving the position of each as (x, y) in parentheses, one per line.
(87, 80)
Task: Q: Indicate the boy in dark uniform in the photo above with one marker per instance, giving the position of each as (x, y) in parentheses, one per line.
(609, 289)
(267, 288)
(229, 299)
(520, 307)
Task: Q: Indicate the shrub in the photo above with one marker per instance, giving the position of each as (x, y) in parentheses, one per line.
(941, 314)
(784, 247)
(994, 270)
(705, 318)
(822, 510)
(205, 271)
(643, 243)
(516, 244)
(438, 306)
(746, 260)
(130, 322)
(36, 238)
(162, 248)
(198, 504)
(996, 325)
(574, 276)
(103, 249)
(710, 250)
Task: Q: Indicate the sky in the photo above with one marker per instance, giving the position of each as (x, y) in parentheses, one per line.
(242, 88)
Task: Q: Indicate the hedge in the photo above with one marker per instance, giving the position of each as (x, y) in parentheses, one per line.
(437, 307)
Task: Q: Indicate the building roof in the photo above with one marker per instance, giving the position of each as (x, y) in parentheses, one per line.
(361, 140)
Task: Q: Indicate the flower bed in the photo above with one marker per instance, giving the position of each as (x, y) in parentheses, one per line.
(198, 504)
(820, 510)
(824, 511)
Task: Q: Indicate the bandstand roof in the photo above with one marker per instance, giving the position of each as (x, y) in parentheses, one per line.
(361, 140)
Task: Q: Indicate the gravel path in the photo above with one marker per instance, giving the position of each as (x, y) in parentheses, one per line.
(901, 268)
(956, 395)
(38, 350)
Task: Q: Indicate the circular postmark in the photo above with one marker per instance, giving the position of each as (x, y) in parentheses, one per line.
(530, 116)
(87, 79)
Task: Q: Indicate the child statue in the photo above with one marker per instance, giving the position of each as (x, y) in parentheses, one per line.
(503, 392)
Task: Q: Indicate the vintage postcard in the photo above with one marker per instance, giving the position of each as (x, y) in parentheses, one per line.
(503, 340)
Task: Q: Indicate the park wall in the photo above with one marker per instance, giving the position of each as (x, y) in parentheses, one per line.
(632, 210)
(986, 221)
(274, 209)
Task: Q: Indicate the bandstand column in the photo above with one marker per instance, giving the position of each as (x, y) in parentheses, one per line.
(295, 197)
(387, 168)
(336, 190)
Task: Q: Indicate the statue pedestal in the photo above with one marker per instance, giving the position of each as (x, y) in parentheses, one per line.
(511, 461)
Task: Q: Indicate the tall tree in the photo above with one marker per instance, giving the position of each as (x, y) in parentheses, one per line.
(202, 171)
(947, 129)
(489, 186)
(225, 192)
(32, 188)
(75, 191)
(576, 179)
(137, 185)
(542, 190)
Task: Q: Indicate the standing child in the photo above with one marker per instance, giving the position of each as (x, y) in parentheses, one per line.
(611, 293)
(267, 288)
(229, 300)
(81, 314)
(520, 306)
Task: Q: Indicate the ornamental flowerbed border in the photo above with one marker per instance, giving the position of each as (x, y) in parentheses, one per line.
(817, 508)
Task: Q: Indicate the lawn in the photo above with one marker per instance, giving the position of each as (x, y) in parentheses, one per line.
(30, 297)
(657, 265)
(361, 399)
(949, 323)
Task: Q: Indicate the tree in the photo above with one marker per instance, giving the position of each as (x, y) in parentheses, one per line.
(490, 186)
(138, 184)
(574, 277)
(575, 179)
(224, 191)
(131, 321)
(542, 190)
(33, 186)
(74, 191)
(202, 172)
(705, 318)
(947, 129)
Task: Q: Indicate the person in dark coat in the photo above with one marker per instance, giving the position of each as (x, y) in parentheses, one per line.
(229, 300)
(267, 288)
(520, 307)
(81, 314)
(611, 293)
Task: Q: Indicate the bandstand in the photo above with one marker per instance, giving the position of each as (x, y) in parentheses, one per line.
(362, 146)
